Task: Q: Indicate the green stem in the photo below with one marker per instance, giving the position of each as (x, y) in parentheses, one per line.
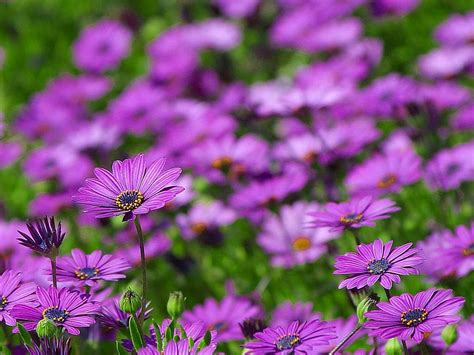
(355, 233)
(345, 340)
(143, 266)
(423, 348)
(53, 271)
(387, 293)
(405, 348)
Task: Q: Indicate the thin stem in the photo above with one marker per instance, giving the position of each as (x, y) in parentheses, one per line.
(423, 348)
(143, 266)
(53, 271)
(356, 236)
(376, 345)
(345, 340)
(405, 348)
(387, 293)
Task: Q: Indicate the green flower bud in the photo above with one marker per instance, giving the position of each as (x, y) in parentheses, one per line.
(364, 306)
(175, 305)
(393, 347)
(47, 328)
(450, 334)
(130, 302)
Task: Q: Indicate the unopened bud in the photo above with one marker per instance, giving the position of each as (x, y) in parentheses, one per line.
(393, 347)
(130, 302)
(450, 334)
(364, 306)
(175, 305)
(47, 328)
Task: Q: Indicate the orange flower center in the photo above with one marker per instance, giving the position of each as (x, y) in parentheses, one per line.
(199, 227)
(301, 243)
(222, 163)
(387, 181)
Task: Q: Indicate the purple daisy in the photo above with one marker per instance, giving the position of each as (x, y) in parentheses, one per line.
(131, 189)
(67, 309)
(413, 317)
(299, 338)
(82, 269)
(464, 343)
(377, 262)
(44, 238)
(224, 317)
(12, 292)
(355, 213)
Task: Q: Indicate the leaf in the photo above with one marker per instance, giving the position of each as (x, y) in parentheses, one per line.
(135, 334)
(159, 341)
(24, 335)
(120, 349)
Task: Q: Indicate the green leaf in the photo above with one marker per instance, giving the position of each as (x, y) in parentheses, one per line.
(24, 335)
(120, 349)
(135, 334)
(159, 341)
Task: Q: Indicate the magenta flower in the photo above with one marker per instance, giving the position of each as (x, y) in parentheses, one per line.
(224, 317)
(299, 338)
(377, 262)
(411, 317)
(67, 309)
(44, 237)
(356, 213)
(131, 189)
(13, 292)
(102, 46)
(457, 30)
(82, 269)
(464, 342)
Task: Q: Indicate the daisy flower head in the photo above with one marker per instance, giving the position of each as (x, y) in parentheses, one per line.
(132, 188)
(414, 316)
(82, 269)
(68, 309)
(377, 262)
(356, 213)
(299, 338)
(13, 292)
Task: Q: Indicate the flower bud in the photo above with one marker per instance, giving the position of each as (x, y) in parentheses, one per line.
(47, 328)
(450, 334)
(393, 347)
(130, 302)
(175, 306)
(364, 306)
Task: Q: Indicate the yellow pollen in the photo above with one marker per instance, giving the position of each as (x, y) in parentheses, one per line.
(387, 181)
(80, 274)
(199, 227)
(221, 163)
(129, 200)
(351, 218)
(301, 243)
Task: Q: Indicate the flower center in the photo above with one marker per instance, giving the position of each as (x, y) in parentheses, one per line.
(310, 156)
(452, 168)
(222, 163)
(288, 342)
(4, 303)
(55, 314)
(219, 326)
(413, 317)
(469, 250)
(301, 243)
(86, 273)
(199, 227)
(387, 181)
(378, 267)
(351, 218)
(129, 200)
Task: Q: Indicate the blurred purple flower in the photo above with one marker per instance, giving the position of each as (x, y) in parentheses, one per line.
(287, 312)
(445, 63)
(393, 7)
(342, 327)
(457, 30)
(464, 342)
(44, 236)
(13, 292)
(464, 118)
(156, 245)
(237, 9)
(9, 153)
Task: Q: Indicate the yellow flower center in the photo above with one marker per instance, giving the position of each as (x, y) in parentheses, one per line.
(301, 243)
(387, 181)
(129, 200)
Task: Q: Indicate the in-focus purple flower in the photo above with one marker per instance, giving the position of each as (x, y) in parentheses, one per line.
(112, 317)
(81, 269)
(377, 262)
(457, 30)
(299, 338)
(102, 46)
(13, 292)
(67, 309)
(356, 213)
(289, 241)
(464, 342)
(131, 189)
(44, 236)
(383, 174)
(288, 312)
(223, 317)
(414, 316)
(205, 219)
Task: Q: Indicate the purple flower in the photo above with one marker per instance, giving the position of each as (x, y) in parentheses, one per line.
(377, 262)
(464, 118)
(294, 338)
(383, 174)
(224, 317)
(9, 152)
(242, 8)
(102, 46)
(51, 346)
(464, 341)
(445, 63)
(288, 240)
(82, 269)
(288, 312)
(44, 238)
(204, 219)
(13, 292)
(393, 7)
(112, 317)
(66, 308)
(157, 244)
(356, 213)
(456, 30)
(130, 189)
(411, 317)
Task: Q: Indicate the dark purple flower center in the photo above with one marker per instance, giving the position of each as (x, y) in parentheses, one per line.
(288, 342)
(413, 317)
(86, 273)
(452, 168)
(378, 267)
(129, 200)
(351, 218)
(219, 326)
(55, 314)
(4, 303)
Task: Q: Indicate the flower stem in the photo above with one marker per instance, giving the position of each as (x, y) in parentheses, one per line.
(345, 340)
(405, 348)
(356, 236)
(387, 293)
(423, 348)
(143, 266)
(53, 271)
